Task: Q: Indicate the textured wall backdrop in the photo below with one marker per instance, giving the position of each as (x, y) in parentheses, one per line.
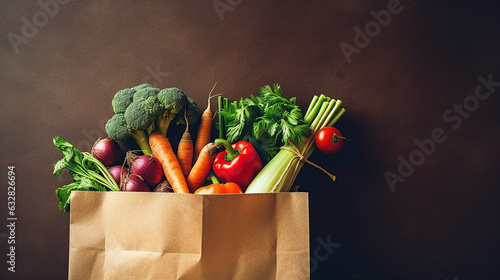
(417, 194)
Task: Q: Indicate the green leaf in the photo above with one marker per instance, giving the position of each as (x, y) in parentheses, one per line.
(296, 114)
(260, 129)
(85, 184)
(255, 100)
(266, 147)
(252, 112)
(59, 166)
(233, 133)
(265, 91)
(64, 195)
(301, 131)
(273, 129)
(285, 130)
(277, 90)
(273, 113)
(91, 184)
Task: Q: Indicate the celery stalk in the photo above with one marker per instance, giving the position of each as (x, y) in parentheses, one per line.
(269, 176)
(220, 106)
(311, 105)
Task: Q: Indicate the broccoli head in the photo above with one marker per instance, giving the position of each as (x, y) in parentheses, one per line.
(122, 100)
(192, 113)
(173, 101)
(118, 129)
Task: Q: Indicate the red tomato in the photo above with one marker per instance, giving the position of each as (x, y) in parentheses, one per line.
(329, 140)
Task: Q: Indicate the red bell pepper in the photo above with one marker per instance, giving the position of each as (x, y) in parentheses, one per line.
(239, 163)
(218, 188)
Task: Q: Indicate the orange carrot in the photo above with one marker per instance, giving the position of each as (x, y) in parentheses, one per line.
(202, 166)
(185, 150)
(205, 128)
(162, 151)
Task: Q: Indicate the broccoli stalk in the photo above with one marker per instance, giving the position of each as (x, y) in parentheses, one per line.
(173, 101)
(142, 140)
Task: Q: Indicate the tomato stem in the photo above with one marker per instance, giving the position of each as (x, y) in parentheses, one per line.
(336, 138)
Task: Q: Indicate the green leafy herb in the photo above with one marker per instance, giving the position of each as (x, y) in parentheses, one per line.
(268, 121)
(89, 174)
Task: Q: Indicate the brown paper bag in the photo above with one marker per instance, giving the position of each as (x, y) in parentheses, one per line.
(125, 235)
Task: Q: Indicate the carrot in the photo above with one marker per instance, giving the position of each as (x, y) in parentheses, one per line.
(202, 167)
(185, 150)
(162, 151)
(205, 128)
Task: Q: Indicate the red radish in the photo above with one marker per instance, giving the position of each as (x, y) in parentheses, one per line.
(107, 151)
(118, 172)
(148, 168)
(133, 183)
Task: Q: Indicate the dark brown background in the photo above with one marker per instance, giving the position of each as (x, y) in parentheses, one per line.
(440, 223)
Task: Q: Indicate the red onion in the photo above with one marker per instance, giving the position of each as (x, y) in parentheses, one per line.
(134, 184)
(163, 187)
(117, 171)
(107, 151)
(148, 168)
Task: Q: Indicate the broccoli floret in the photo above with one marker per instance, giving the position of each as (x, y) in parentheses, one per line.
(122, 100)
(142, 113)
(192, 113)
(118, 129)
(172, 100)
(145, 92)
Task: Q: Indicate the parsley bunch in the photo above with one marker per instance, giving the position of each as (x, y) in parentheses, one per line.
(268, 121)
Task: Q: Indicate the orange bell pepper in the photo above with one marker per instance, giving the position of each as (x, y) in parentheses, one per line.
(217, 188)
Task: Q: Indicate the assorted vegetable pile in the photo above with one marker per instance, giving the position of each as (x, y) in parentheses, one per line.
(263, 141)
